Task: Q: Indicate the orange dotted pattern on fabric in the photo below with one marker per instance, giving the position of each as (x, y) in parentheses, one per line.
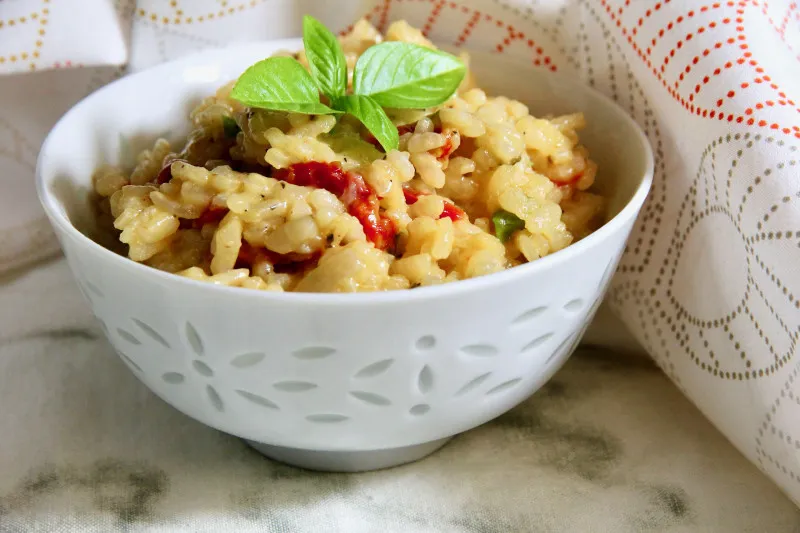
(729, 20)
(730, 16)
(379, 16)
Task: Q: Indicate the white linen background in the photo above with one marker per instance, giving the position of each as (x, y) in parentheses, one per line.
(710, 284)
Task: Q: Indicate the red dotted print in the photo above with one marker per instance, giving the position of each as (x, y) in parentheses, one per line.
(539, 59)
(671, 66)
(674, 59)
(475, 16)
(376, 11)
(467, 31)
(384, 20)
(792, 14)
(432, 17)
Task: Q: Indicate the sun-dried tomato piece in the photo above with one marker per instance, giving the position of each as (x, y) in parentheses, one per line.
(352, 190)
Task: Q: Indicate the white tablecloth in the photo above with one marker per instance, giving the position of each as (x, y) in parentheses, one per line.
(609, 445)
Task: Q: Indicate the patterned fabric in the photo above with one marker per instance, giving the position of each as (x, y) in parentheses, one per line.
(33, 34)
(709, 284)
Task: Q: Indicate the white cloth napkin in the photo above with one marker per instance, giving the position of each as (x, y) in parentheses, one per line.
(85, 447)
(710, 284)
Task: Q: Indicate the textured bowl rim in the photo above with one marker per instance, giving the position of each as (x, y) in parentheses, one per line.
(216, 56)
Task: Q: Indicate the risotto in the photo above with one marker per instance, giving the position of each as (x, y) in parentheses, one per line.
(279, 201)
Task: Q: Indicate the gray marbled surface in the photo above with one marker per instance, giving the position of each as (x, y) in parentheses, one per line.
(608, 445)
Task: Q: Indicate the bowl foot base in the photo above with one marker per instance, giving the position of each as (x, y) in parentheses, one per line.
(336, 461)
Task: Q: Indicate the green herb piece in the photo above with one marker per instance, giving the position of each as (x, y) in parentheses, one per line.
(325, 57)
(280, 83)
(230, 128)
(407, 76)
(505, 224)
(372, 115)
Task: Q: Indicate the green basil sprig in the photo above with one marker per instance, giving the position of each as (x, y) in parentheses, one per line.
(394, 75)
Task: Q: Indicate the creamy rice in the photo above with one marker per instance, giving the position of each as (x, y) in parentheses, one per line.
(288, 202)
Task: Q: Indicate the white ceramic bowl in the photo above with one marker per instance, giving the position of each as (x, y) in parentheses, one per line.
(336, 381)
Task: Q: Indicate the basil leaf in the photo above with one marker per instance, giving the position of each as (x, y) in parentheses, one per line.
(282, 84)
(325, 57)
(407, 76)
(230, 128)
(372, 115)
(505, 224)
